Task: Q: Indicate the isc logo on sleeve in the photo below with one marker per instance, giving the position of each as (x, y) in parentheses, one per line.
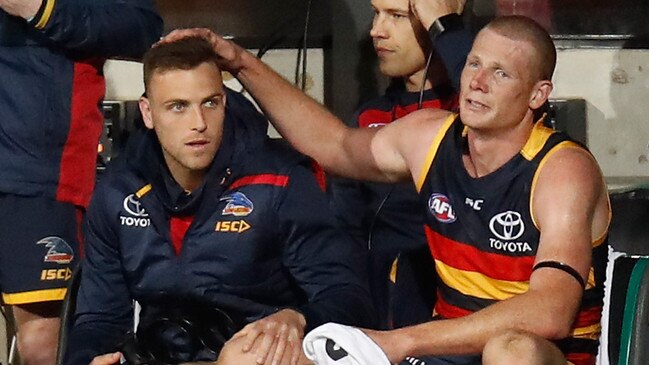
(56, 274)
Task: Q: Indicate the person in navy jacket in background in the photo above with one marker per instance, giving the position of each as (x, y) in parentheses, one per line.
(386, 217)
(51, 61)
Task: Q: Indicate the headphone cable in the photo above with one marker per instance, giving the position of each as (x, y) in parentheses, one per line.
(420, 104)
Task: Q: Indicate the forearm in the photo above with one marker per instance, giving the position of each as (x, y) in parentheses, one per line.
(305, 123)
(533, 313)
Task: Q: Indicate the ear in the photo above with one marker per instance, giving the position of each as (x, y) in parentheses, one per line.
(540, 94)
(145, 110)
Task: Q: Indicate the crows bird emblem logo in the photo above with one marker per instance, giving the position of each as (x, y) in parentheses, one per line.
(59, 250)
(238, 205)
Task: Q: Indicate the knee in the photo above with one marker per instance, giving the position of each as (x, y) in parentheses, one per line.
(519, 347)
(37, 341)
(233, 354)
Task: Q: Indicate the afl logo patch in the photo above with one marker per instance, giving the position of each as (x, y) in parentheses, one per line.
(440, 207)
(507, 225)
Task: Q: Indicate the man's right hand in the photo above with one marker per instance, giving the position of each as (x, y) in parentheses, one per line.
(107, 359)
(228, 52)
(427, 11)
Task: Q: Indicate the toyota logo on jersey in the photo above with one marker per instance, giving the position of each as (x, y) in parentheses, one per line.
(440, 207)
(507, 225)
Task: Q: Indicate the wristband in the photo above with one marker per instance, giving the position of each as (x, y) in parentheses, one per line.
(447, 22)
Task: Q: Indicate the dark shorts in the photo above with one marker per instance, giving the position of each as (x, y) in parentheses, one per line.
(39, 248)
(443, 360)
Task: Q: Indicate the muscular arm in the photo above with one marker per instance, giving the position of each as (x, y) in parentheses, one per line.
(309, 127)
(99, 28)
(570, 208)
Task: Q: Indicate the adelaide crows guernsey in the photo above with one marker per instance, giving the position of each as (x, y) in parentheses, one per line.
(483, 237)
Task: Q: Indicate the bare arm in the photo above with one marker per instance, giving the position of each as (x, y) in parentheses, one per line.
(570, 207)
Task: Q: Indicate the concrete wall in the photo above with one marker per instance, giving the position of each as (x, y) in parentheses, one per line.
(615, 84)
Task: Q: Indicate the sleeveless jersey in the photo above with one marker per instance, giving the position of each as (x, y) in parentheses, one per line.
(483, 237)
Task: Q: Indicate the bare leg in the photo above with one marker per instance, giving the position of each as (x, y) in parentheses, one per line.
(521, 348)
(37, 331)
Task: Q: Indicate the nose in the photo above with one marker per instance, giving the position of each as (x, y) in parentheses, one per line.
(479, 80)
(378, 28)
(198, 119)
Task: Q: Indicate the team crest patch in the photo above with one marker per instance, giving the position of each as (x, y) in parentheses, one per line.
(59, 250)
(440, 207)
(238, 205)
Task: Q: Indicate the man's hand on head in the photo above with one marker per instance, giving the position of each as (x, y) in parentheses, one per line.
(275, 339)
(427, 11)
(229, 54)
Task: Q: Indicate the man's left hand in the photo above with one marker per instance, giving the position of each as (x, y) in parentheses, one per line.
(23, 8)
(276, 339)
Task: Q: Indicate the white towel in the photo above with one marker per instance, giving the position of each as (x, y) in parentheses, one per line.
(336, 344)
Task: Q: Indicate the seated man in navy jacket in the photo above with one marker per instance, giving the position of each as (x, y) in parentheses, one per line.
(204, 211)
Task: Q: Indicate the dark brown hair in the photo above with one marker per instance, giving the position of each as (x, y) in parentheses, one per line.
(184, 54)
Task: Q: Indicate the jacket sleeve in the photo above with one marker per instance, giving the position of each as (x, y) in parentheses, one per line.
(99, 28)
(326, 264)
(453, 45)
(104, 308)
(350, 201)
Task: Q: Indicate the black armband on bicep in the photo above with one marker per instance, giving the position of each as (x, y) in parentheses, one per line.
(563, 267)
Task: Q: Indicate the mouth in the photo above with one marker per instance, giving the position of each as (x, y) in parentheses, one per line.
(197, 143)
(381, 51)
(475, 105)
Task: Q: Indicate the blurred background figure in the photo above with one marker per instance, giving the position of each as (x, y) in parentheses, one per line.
(51, 61)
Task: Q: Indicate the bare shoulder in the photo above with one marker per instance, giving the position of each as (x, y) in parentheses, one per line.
(572, 180)
(413, 134)
(429, 119)
(572, 167)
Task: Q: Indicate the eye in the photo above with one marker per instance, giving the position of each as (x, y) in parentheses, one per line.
(212, 103)
(399, 16)
(472, 63)
(501, 74)
(177, 106)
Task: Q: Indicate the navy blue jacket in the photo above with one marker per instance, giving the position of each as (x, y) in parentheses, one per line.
(52, 82)
(261, 238)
